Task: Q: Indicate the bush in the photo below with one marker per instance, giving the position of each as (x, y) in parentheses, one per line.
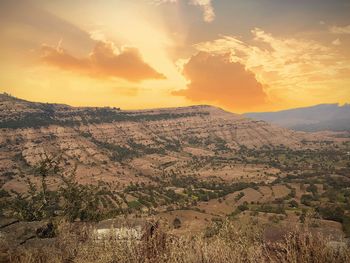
(177, 223)
(312, 189)
(293, 204)
(243, 207)
(135, 205)
(239, 196)
(306, 199)
(72, 200)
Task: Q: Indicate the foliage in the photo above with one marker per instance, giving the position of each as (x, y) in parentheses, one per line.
(72, 200)
(177, 223)
(239, 196)
(48, 115)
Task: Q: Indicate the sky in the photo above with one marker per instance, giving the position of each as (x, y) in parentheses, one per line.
(240, 55)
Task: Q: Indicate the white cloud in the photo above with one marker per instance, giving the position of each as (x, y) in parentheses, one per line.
(336, 42)
(283, 64)
(340, 29)
(158, 2)
(98, 35)
(205, 5)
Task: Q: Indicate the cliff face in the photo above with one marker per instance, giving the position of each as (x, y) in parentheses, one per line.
(113, 145)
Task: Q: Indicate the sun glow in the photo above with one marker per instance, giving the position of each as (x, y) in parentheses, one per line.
(133, 54)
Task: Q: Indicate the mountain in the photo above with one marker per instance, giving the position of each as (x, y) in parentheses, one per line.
(321, 117)
(114, 145)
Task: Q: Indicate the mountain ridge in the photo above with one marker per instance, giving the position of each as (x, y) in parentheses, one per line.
(334, 117)
(109, 144)
(7, 97)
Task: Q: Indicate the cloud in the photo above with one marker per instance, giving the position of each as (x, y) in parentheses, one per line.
(215, 79)
(340, 29)
(292, 70)
(104, 61)
(207, 8)
(205, 5)
(159, 2)
(279, 62)
(336, 42)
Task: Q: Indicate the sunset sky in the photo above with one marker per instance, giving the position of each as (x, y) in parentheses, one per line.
(241, 55)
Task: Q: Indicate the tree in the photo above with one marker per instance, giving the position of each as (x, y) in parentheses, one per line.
(306, 199)
(177, 223)
(37, 203)
(293, 204)
(46, 167)
(239, 196)
(312, 189)
(72, 199)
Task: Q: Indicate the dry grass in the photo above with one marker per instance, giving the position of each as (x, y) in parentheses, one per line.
(231, 243)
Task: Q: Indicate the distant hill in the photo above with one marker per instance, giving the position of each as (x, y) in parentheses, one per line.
(316, 118)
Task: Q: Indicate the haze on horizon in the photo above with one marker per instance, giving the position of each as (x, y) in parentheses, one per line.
(243, 56)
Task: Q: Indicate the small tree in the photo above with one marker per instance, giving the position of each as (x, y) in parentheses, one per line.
(37, 203)
(293, 204)
(312, 189)
(73, 199)
(177, 223)
(239, 196)
(79, 201)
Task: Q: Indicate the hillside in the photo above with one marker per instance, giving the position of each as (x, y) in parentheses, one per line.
(331, 117)
(190, 169)
(110, 144)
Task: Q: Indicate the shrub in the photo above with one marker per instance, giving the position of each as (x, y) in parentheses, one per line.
(177, 223)
(239, 196)
(293, 204)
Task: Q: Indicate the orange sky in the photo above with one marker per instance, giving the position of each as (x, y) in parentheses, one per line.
(244, 56)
